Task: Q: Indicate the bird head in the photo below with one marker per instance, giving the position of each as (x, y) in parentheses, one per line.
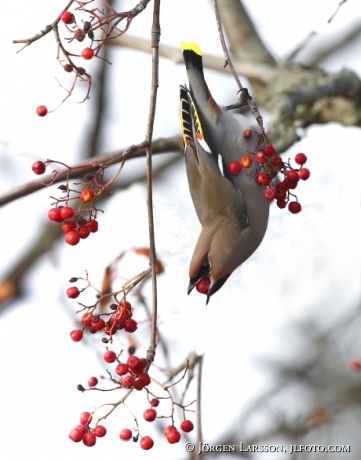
(219, 251)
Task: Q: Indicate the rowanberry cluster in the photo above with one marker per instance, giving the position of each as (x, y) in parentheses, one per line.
(269, 165)
(79, 34)
(120, 319)
(77, 224)
(130, 374)
(84, 433)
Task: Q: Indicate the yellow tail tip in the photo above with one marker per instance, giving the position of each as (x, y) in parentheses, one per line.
(189, 46)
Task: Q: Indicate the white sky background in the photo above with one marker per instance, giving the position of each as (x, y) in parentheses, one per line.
(307, 266)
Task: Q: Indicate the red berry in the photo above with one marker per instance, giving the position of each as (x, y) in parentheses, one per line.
(145, 379)
(76, 335)
(300, 158)
(67, 212)
(89, 439)
(110, 329)
(130, 325)
(277, 162)
(85, 418)
(109, 357)
(173, 436)
(125, 434)
(72, 238)
(291, 184)
(293, 176)
(123, 313)
(138, 385)
(281, 186)
(133, 362)
(87, 53)
(38, 167)
(304, 173)
(121, 369)
(93, 382)
(87, 195)
(93, 225)
(76, 435)
(269, 193)
(294, 207)
(146, 443)
(83, 231)
(150, 415)
(41, 110)
(100, 431)
(203, 285)
(138, 369)
(269, 151)
(67, 17)
(87, 319)
(54, 215)
(281, 204)
(263, 179)
(247, 134)
(168, 429)
(82, 428)
(128, 381)
(187, 426)
(68, 226)
(234, 167)
(355, 364)
(98, 325)
(154, 402)
(260, 158)
(281, 192)
(72, 292)
(246, 161)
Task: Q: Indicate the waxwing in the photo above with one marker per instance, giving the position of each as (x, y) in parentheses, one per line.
(231, 208)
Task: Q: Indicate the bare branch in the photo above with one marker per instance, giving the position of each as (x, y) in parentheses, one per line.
(308, 96)
(199, 397)
(250, 69)
(149, 136)
(244, 41)
(334, 44)
(46, 30)
(252, 107)
(339, 6)
(172, 144)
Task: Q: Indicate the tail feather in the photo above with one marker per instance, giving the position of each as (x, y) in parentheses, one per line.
(192, 57)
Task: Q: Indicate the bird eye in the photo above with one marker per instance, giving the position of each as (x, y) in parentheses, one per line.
(206, 265)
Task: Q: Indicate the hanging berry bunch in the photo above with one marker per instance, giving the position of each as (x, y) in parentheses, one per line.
(127, 373)
(84, 24)
(76, 223)
(269, 165)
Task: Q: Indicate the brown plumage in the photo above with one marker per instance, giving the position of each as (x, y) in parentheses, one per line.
(231, 208)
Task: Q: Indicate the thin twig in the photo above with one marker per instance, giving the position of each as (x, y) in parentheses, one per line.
(339, 6)
(149, 135)
(46, 30)
(252, 107)
(199, 395)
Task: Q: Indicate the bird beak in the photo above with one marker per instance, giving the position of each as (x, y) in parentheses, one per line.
(192, 283)
(214, 287)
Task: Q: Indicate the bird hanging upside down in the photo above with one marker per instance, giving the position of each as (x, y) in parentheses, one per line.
(231, 207)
